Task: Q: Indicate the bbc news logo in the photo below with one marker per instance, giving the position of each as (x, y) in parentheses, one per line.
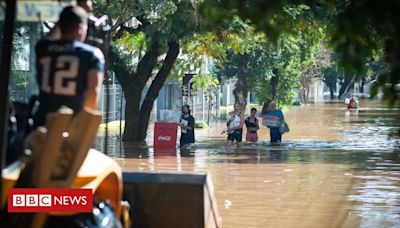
(50, 200)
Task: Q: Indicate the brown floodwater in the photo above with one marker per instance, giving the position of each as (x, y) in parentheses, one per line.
(335, 169)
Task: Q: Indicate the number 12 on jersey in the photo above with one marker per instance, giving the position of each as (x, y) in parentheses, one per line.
(64, 73)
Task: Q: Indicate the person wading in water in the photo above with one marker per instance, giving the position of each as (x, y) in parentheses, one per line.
(277, 114)
(252, 126)
(235, 127)
(187, 124)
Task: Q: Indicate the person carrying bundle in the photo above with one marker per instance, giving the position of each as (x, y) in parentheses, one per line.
(273, 118)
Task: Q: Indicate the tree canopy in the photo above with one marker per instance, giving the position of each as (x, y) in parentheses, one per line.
(146, 39)
(273, 47)
(357, 30)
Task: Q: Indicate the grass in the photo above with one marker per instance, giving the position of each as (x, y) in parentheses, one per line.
(112, 126)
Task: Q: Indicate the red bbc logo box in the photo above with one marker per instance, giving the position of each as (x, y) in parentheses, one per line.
(50, 200)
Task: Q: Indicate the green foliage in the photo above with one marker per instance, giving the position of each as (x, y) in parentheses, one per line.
(158, 20)
(368, 43)
(221, 116)
(204, 81)
(286, 91)
(256, 36)
(357, 30)
(200, 124)
(146, 39)
(254, 59)
(330, 77)
(293, 53)
(191, 59)
(132, 43)
(20, 77)
(153, 24)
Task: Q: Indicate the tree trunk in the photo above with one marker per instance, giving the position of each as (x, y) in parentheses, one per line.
(209, 107)
(132, 111)
(346, 84)
(264, 109)
(307, 94)
(132, 84)
(303, 96)
(363, 79)
(155, 88)
(274, 83)
(240, 94)
(241, 88)
(274, 90)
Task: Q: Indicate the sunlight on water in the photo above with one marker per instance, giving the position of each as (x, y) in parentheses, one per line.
(334, 169)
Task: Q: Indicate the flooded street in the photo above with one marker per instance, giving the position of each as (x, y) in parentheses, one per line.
(335, 169)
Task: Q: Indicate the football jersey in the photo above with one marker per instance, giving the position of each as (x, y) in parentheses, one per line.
(62, 71)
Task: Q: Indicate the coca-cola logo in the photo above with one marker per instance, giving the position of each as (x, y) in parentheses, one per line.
(164, 138)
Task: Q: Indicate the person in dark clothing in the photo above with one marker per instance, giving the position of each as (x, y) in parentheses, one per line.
(186, 123)
(252, 126)
(69, 72)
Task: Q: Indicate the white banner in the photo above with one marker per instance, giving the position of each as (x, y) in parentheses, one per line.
(36, 11)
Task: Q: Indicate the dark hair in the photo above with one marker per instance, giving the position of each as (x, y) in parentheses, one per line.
(253, 109)
(79, 2)
(186, 106)
(71, 17)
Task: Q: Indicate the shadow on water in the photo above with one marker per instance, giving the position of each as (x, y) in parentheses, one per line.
(334, 169)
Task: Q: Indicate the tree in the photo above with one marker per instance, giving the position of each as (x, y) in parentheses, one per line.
(263, 61)
(159, 28)
(245, 68)
(258, 61)
(298, 56)
(330, 77)
(208, 83)
(192, 60)
(282, 77)
(358, 30)
(243, 59)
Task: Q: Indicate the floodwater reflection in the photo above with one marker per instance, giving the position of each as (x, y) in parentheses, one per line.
(335, 169)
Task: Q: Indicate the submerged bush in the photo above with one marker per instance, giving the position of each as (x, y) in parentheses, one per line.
(200, 124)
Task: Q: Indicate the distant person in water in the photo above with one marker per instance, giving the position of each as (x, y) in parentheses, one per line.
(187, 127)
(252, 126)
(274, 117)
(353, 104)
(235, 127)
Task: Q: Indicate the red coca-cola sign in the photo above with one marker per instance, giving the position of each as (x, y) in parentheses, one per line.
(164, 138)
(165, 134)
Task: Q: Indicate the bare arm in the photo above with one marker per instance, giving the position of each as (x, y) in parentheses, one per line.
(187, 127)
(190, 125)
(258, 125)
(93, 90)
